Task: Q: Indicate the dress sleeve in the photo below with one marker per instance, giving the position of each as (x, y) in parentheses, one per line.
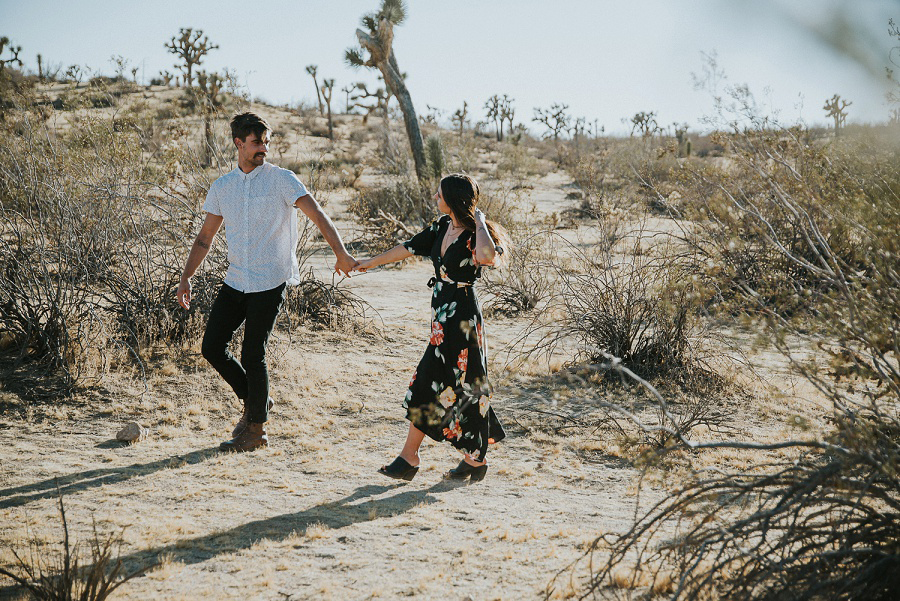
(422, 243)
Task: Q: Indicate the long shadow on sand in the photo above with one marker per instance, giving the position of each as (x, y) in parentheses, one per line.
(335, 514)
(71, 483)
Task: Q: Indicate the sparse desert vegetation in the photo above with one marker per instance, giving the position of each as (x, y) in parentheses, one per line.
(694, 340)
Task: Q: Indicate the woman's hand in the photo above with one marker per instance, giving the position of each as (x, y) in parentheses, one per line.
(363, 265)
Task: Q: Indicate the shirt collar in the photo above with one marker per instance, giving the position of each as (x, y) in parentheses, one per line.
(252, 174)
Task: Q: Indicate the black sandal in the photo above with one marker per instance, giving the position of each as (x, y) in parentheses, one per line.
(400, 469)
(464, 470)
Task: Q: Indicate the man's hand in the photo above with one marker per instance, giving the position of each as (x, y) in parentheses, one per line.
(345, 264)
(184, 293)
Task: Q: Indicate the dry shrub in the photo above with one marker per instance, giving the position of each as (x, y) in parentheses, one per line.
(778, 183)
(618, 298)
(70, 572)
(93, 238)
(326, 305)
(616, 306)
(524, 278)
(821, 518)
(392, 213)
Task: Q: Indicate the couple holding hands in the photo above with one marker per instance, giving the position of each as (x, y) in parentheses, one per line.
(449, 394)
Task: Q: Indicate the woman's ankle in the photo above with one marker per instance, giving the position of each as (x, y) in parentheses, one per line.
(413, 460)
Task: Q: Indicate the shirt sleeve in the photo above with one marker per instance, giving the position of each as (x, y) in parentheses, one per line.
(422, 243)
(292, 187)
(212, 201)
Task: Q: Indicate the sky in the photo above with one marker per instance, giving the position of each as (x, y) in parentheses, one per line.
(605, 59)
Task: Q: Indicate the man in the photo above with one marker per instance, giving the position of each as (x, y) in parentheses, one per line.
(257, 203)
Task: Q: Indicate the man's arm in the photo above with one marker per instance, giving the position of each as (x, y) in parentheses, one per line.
(312, 209)
(199, 250)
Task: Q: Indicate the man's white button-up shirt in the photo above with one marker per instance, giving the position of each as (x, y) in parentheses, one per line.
(260, 225)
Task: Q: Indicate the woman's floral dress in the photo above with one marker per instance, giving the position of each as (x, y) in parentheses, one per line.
(449, 397)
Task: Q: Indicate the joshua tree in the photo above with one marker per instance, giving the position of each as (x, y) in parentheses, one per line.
(312, 69)
(644, 123)
(210, 85)
(120, 64)
(492, 106)
(40, 60)
(134, 72)
(684, 142)
(13, 50)
(167, 78)
(554, 119)
(380, 101)
(435, 152)
(190, 48)
(459, 118)
(377, 42)
(327, 92)
(347, 90)
(835, 108)
(507, 112)
(75, 73)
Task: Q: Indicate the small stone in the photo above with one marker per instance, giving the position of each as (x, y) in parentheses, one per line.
(133, 432)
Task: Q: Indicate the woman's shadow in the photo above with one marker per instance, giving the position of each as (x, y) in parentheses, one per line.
(357, 507)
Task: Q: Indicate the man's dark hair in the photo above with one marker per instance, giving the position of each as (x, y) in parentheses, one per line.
(248, 123)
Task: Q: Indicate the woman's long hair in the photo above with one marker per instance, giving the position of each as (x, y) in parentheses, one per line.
(461, 193)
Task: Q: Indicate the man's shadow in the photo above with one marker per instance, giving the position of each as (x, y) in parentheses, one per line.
(72, 483)
(335, 515)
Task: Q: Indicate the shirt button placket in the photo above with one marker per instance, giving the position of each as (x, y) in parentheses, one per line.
(246, 214)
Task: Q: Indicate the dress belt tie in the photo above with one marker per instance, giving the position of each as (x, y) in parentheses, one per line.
(434, 281)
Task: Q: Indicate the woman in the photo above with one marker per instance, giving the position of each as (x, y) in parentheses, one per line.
(449, 395)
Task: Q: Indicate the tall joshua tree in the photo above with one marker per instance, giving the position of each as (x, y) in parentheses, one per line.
(377, 42)
(312, 69)
(836, 108)
(327, 92)
(190, 46)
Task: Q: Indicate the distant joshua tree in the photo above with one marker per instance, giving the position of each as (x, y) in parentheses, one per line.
(460, 119)
(835, 108)
(554, 119)
(312, 69)
(499, 110)
(380, 101)
(13, 50)
(507, 112)
(684, 142)
(377, 42)
(347, 91)
(40, 61)
(327, 92)
(190, 46)
(75, 73)
(210, 85)
(645, 123)
(167, 78)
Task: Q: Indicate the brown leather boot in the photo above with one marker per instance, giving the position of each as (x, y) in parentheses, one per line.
(253, 437)
(245, 418)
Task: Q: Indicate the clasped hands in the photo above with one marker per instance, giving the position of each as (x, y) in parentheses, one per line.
(347, 265)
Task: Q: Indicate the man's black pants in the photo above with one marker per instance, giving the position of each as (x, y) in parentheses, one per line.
(250, 377)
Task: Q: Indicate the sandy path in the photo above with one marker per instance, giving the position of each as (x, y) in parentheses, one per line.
(309, 518)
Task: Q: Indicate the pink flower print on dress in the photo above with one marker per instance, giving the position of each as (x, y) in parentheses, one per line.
(453, 432)
(463, 361)
(437, 333)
